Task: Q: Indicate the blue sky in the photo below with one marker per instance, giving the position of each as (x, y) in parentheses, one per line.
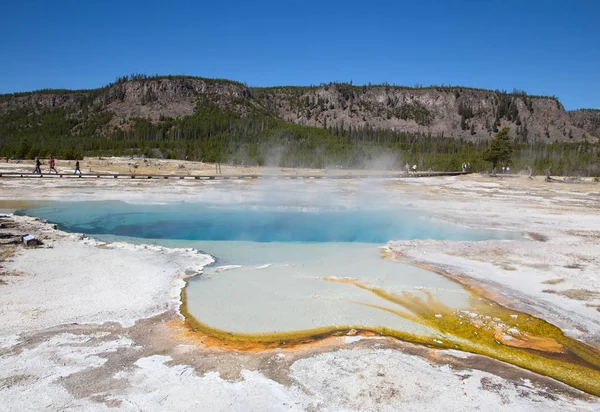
(544, 47)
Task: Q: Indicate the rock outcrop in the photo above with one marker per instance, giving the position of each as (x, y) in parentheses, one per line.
(470, 114)
(588, 120)
(451, 111)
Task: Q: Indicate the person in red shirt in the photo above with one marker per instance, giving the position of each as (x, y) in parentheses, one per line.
(52, 164)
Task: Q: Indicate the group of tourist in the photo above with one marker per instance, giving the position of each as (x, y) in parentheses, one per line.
(52, 164)
(466, 167)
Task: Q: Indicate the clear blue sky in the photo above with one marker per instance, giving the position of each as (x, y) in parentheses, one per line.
(544, 47)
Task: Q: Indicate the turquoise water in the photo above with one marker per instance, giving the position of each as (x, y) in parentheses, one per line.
(191, 221)
(273, 262)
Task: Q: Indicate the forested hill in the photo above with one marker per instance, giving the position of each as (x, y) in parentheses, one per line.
(215, 119)
(467, 113)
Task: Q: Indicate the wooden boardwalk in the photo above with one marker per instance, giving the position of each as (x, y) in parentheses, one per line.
(24, 175)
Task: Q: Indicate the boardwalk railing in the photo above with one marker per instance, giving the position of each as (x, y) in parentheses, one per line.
(24, 175)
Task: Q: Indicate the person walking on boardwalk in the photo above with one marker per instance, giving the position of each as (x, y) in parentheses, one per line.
(52, 165)
(77, 169)
(37, 166)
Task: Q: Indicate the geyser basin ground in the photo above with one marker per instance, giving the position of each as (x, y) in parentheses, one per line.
(285, 273)
(517, 270)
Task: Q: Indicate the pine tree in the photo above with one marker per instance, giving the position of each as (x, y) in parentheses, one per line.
(500, 149)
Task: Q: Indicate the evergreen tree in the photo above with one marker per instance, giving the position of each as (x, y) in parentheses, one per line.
(500, 149)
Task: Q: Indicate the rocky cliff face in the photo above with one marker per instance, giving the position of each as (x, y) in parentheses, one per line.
(450, 111)
(141, 98)
(168, 98)
(588, 120)
(467, 113)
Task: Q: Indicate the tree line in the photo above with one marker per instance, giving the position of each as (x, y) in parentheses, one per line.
(250, 136)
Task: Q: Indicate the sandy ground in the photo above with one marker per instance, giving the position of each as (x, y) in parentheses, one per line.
(90, 326)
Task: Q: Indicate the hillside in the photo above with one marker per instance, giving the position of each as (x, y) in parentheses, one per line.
(335, 124)
(118, 103)
(587, 119)
(466, 113)
(471, 114)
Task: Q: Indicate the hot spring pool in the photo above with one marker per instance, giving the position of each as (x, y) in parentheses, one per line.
(286, 274)
(283, 269)
(195, 221)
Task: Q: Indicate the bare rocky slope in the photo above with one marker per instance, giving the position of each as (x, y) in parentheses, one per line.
(147, 98)
(587, 119)
(450, 111)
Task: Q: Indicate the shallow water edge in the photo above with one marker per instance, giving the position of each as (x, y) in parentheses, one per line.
(491, 330)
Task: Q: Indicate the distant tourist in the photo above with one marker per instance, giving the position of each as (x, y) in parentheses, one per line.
(468, 166)
(414, 168)
(503, 169)
(52, 164)
(77, 169)
(407, 168)
(507, 169)
(37, 166)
